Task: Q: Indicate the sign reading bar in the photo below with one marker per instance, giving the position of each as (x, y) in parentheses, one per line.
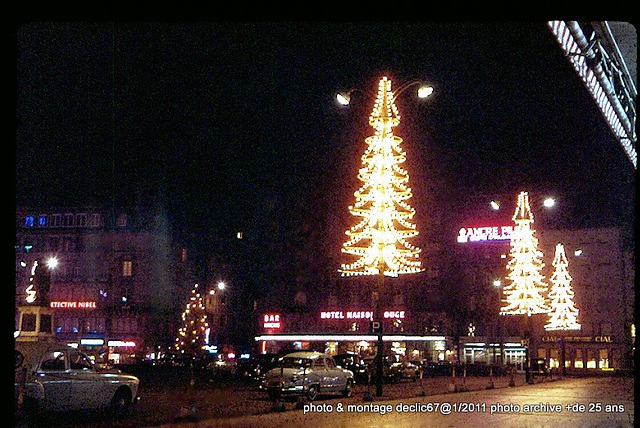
(357, 315)
(73, 304)
(272, 321)
(485, 233)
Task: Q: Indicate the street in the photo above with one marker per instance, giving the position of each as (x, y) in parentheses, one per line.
(583, 402)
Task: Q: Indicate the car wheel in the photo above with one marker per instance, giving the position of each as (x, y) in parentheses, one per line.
(120, 403)
(312, 392)
(348, 388)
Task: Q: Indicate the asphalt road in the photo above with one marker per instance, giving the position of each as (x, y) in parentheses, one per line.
(584, 402)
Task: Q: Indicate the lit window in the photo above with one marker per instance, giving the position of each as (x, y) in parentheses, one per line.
(42, 221)
(126, 268)
(603, 358)
(577, 363)
(28, 221)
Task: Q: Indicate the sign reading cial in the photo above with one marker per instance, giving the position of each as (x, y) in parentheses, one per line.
(272, 321)
(597, 339)
(73, 304)
(357, 315)
(485, 233)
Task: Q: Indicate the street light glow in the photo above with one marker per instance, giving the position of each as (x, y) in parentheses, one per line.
(549, 202)
(52, 262)
(343, 98)
(221, 285)
(494, 205)
(424, 91)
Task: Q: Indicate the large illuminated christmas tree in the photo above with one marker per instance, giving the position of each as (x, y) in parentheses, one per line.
(525, 288)
(379, 239)
(563, 314)
(193, 335)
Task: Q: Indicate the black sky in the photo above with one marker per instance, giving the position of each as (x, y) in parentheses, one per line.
(226, 123)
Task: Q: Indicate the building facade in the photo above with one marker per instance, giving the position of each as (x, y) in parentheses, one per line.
(118, 281)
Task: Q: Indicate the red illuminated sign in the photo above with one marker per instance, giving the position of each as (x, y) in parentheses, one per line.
(485, 233)
(73, 305)
(272, 321)
(356, 315)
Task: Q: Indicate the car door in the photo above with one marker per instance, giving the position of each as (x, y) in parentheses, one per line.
(335, 373)
(320, 371)
(87, 390)
(54, 375)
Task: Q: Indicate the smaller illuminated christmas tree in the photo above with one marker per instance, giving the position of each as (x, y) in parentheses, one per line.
(563, 314)
(524, 292)
(193, 336)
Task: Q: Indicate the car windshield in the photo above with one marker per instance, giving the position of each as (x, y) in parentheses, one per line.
(291, 362)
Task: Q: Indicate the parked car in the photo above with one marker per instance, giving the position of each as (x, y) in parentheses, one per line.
(354, 363)
(255, 367)
(390, 373)
(406, 370)
(433, 369)
(307, 373)
(220, 366)
(51, 377)
(539, 367)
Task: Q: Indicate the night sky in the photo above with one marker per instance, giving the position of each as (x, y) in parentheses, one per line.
(227, 125)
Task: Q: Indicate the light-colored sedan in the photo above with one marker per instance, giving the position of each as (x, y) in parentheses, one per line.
(307, 373)
(65, 379)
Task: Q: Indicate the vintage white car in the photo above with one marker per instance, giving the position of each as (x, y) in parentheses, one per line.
(307, 373)
(57, 378)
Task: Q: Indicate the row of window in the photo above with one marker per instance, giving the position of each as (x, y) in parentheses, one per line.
(95, 324)
(69, 220)
(63, 220)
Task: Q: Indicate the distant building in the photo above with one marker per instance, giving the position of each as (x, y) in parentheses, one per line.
(120, 277)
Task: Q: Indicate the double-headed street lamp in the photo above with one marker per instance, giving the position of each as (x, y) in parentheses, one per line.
(379, 239)
(424, 90)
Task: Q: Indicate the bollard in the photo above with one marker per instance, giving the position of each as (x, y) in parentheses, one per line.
(368, 396)
(490, 385)
(512, 382)
(452, 385)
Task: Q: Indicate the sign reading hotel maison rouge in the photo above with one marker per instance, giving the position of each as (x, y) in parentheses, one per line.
(358, 315)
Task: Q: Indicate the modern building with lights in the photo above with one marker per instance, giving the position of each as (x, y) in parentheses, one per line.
(118, 283)
(602, 273)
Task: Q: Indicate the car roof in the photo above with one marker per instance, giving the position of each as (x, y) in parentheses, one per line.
(305, 354)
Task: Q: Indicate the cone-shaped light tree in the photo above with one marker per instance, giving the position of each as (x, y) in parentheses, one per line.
(193, 335)
(525, 288)
(379, 239)
(563, 314)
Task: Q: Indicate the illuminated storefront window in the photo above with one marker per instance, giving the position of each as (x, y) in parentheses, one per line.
(554, 361)
(603, 358)
(591, 358)
(577, 362)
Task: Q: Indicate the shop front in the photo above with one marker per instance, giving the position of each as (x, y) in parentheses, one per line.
(337, 332)
(479, 350)
(581, 354)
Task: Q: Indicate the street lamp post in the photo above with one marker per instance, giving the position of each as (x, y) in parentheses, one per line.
(379, 239)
